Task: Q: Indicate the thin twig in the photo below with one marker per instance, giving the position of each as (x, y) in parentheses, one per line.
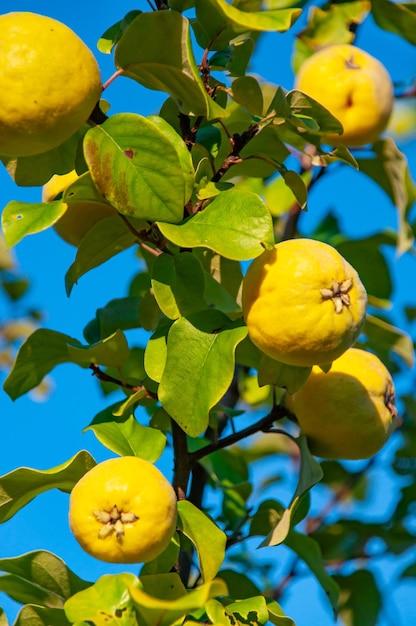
(276, 413)
(106, 378)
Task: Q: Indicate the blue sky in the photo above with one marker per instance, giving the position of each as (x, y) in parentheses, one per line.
(42, 435)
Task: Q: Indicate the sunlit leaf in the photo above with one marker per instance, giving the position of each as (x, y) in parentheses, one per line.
(333, 24)
(310, 473)
(20, 219)
(124, 156)
(218, 22)
(199, 348)
(178, 284)
(235, 224)
(106, 602)
(19, 487)
(182, 150)
(124, 435)
(169, 67)
(197, 526)
(32, 615)
(162, 599)
(112, 351)
(156, 352)
(40, 578)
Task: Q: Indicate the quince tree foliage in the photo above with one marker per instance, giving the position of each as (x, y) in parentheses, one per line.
(223, 171)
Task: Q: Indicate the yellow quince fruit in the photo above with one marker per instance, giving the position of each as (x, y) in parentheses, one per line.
(123, 510)
(348, 412)
(354, 86)
(303, 303)
(50, 83)
(81, 215)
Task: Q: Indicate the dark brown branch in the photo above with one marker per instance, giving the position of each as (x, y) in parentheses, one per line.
(97, 116)
(238, 142)
(182, 467)
(264, 424)
(106, 378)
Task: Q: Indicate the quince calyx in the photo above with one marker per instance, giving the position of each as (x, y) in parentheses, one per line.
(338, 293)
(113, 521)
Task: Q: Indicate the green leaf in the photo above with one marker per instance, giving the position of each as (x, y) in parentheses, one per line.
(247, 92)
(276, 614)
(332, 24)
(409, 571)
(112, 35)
(360, 599)
(280, 197)
(20, 219)
(218, 22)
(266, 517)
(32, 615)
(310, 473)
(107, 238)
(38, 355)
(366, 257)
(112, 351)
(250, 610)
(106, 603)
(197, 526)
(163, 563)
(125, 436)
(389, 169)
(39, 577)
(309, 551)
(235, 224)
(156, 352)
(178, 284)
(239, 585)
(398, 18)
(125, 157)
(120, 313)
(162, 600)
(19, 487)
(182, 150)
(381, 334)
(200, 348)
(169, 67)
(33, 171)
(306, 109)
(289, 377)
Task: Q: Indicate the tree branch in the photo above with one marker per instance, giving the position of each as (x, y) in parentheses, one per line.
(182, 466)
(276, 413)
(106, 378)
